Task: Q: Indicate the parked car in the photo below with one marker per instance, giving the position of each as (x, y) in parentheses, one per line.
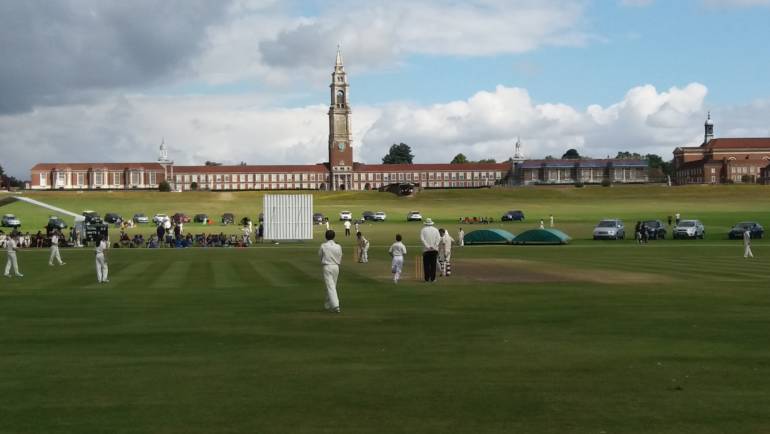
(346, 215)
(180, 218)
(367, 215)
(10, 221)
(159, 218)
(318, 218)
(514, 215)
(689, 229)
(91, 215)
(414, 216)
(201, 218)
(112, 218)
(610, 229)
(55, 222)
(755, 229)
(141, 218)
(95, 229)
(379, 216)
(228, 218)
(656, 230)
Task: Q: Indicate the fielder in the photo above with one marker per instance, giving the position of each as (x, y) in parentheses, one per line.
(331, 258)
(101, 261)
(461, 237)
(55, 249)
(397, 250)
(747, 244)
(363, 248)
(11, 246)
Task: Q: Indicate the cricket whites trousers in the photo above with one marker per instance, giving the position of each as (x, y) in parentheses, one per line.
(55, 255)
(331, 273)
(12, 262)
(101, 268)
(396, 266)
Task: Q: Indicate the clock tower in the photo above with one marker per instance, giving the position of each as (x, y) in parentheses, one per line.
(340, 138)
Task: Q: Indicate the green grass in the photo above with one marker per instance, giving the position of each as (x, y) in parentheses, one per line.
(592, 337)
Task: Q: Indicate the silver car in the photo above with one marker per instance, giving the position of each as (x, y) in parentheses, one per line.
(10, 221)
(689, 229)
(610, 229)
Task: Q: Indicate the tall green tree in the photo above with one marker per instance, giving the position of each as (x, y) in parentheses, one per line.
(459, 159)
(571, 154)
(657, 162)
(399, 154)
(625, 155)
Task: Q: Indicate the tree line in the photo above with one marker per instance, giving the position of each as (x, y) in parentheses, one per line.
(402, 154)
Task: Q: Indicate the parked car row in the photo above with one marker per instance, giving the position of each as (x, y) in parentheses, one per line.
(614, 229)
(378, 216)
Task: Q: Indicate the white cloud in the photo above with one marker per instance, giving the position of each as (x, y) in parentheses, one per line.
(231, 129)
(267, 42)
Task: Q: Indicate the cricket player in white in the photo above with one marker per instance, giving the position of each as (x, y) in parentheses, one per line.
(363, 246)
(11, 246)
(101, 262)
(397, 251)
(461, 237)
(747, 244)
(55, 249)
(445, 252)
(331, 258)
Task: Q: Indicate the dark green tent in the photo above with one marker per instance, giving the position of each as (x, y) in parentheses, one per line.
(488, 236)
(542, 237)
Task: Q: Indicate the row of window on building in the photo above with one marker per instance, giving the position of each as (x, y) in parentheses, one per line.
(106, 179)
(571, 175)
(324, 177)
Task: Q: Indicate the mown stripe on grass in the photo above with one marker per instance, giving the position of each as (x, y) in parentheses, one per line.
(171, 275)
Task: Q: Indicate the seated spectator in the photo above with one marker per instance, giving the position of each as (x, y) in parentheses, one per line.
(124, 240)
(153, 242)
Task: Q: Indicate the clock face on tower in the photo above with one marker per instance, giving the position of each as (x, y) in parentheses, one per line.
(341, 146)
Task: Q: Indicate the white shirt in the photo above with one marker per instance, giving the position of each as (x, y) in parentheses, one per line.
(10, 245)
(347, 224)
(54, 240)
(747, 238)
(430, 238)
(397, 249)
(363, 243)
(330, 253)
(101, 247)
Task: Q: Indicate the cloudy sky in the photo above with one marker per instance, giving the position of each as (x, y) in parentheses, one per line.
(247, 80)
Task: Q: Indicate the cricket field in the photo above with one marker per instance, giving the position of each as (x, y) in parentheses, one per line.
(591, 337)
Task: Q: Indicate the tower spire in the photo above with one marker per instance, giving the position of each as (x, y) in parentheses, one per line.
(709, 129)
(339, 55)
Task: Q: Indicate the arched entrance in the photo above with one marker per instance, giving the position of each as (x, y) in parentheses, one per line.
(367, 186)
(342, 187)
(322, 186)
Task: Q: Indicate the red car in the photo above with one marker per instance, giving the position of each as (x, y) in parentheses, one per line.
(180, 218)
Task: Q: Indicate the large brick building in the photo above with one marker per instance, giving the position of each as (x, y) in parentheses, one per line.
(586, 171)
(341, 172)
(719, 161)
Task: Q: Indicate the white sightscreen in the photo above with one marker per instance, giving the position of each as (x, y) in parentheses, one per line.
(288, 216)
